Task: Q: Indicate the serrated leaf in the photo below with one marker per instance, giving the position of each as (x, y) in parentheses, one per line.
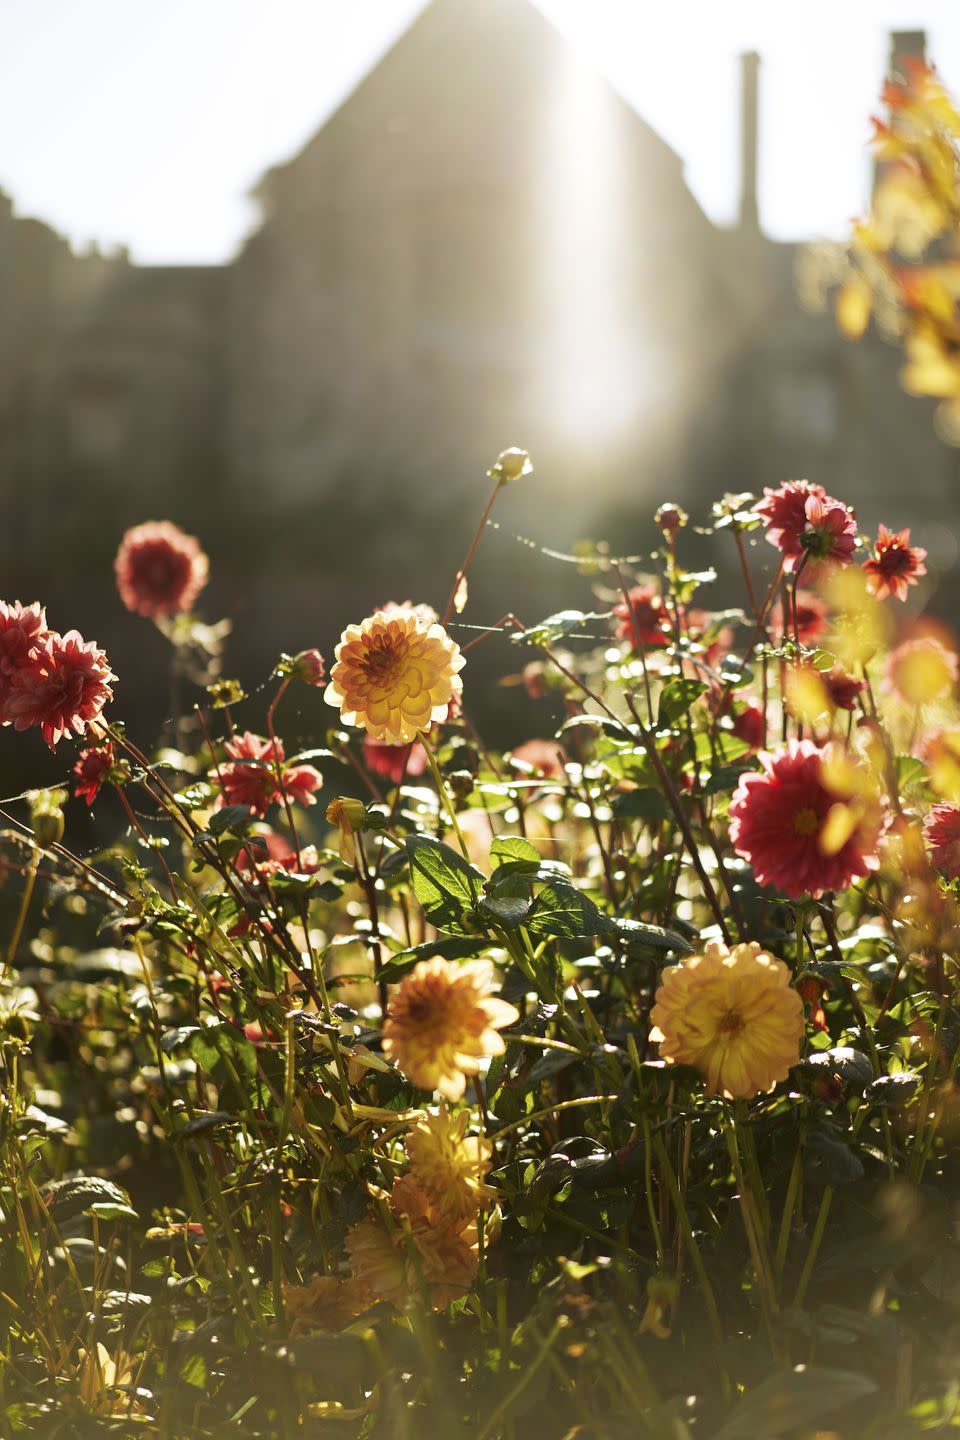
(561, 909)
(638, 933)
(231, 817)
(513, 848)
(508, 910)
(67, 1198)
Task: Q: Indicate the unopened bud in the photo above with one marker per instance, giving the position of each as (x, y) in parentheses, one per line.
(46, 816)
(670, 518)
(308, 666)
(512, 464)
(346, 813)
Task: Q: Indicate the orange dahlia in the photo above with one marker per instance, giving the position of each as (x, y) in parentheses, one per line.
(413, 1250)
(732, 1015)
(442, 1021)
(395, 675)
(449, 1165)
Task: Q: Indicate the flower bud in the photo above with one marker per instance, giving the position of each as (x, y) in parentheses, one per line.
(671, 518)
(512, 464)
(308, 666)
(348, 815)
(46, 816)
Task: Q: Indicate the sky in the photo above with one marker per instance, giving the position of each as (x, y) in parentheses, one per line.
(136, 123)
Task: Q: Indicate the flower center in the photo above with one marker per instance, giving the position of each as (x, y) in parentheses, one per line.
(731, 1022)
(382, 662)
(805, 821)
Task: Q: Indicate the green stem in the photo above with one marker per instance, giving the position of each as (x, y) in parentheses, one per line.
(444, 794)
(24, 906)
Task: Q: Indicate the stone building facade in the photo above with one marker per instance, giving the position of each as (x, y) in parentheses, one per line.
(483, 246)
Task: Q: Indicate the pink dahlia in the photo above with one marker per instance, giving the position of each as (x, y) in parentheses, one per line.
(808, 526)
(62, 687)
(779, 822)
(895, 564)
(250, 775)
(160, 570)
(91, 770)
(644, 621)
(941, 830)
(22, 629)
(394, 761)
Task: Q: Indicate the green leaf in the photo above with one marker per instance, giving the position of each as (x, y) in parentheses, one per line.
(562, 909)
(193, 1371)
(449, 948)
(445, 884)
(637, 934)
(610, 728)
(508, 910)
(231, 817)
(793, 1399)
(107, 1210)
(676, 697)
(67, 1198)
(555, 627)
(506, 848)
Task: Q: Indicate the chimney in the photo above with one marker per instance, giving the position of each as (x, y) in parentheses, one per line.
(904, 45)
(749, 87)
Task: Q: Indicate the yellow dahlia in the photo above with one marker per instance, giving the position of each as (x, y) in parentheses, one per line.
(731, 1014)
(418, 1251)
(395, 675)
(449, 1165)
(442, 1021)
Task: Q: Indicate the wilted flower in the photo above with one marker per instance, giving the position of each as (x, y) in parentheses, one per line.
(418, 1252)
(644, 621)
(348, 816)
(395, 675)
(394, 761)
(160, 570)
(62, 687)
(324, 1303)
(442, 1021)
(91, 770)
(731, 1014)
(921, 671)
(449, 1165)
(895, 564)
(249, 777)
(941, 831)
(804, 827)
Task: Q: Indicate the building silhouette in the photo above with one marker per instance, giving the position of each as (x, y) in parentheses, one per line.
(484, 245)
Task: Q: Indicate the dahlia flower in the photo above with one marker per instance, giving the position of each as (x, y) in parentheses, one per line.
(808, 525)
(62, 686)
(160, 570)
(644, 621)
(449, 1165)
(249, 777)
(442, 1021)
(271, 854)
(91, 770)
(394, 761)
(732, 1015)
(22, 629)
(803, 823)
(395, 676)
(895, 564)
(941, 831)
(419, 1252)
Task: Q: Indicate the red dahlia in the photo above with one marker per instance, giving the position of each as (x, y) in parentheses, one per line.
(779, 822)
(250, 775)
(160, 570)
(895, 564)
(644, 622)
(941, 830)
(90, 771)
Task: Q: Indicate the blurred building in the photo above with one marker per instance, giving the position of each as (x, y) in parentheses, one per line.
(485, 245)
